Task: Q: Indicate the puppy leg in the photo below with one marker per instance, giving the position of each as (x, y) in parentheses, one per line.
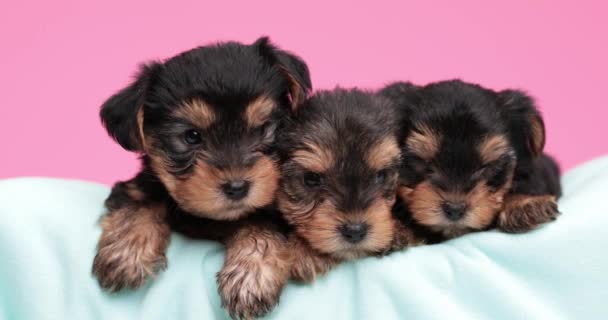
(256, 269)
(133, 241)
(523, 213)
(306, 262)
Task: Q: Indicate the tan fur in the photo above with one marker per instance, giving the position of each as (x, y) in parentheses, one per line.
(314, 157)
(201, 194)
(424, 142)
(537, 137)
(319, 227)
(196, 111)
(259, 111)
(132, 246)
(404, 192)
(484, 205)
(523, 213)
(256, 268)
(425, 203)
(307, 263)
(492, 148)
(297, 94)
(140, 129)
(135, 193)
(383, 153)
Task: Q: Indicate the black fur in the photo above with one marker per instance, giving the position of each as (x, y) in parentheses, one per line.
(464, 114)
(349, 123)
(228, 77)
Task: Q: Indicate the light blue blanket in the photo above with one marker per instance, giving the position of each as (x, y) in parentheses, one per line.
(48, 234)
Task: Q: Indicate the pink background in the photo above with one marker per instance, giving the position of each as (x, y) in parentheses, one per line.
(61, 59)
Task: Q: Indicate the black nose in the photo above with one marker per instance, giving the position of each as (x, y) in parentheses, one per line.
(236, 190)
(354, 232)
(454, 210)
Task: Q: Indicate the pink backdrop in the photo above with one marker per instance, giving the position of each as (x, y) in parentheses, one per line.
(61, 59)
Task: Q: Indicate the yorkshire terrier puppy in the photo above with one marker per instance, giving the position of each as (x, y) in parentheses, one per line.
(473, 159)
(204, 123)
(339, 176)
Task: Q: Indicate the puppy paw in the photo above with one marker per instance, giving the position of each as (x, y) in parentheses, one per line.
(249, 292)
(307, 268)
(307, 264)
(128, 269)
(129, 252)
(255, 271)
(525, 213)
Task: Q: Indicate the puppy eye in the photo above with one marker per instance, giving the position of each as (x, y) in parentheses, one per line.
(192, 137)
(381, 176)
(312, 179)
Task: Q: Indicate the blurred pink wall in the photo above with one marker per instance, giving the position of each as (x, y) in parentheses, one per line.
(61, 59)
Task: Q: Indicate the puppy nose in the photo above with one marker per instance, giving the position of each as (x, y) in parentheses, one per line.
(354, 232)
(236, 189)
(454, 211)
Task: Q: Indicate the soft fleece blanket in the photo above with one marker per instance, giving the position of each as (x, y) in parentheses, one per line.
(48, 233)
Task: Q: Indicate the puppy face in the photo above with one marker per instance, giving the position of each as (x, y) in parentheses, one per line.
(459, 187)
(458, 159)
(340, 173)
(206, 122)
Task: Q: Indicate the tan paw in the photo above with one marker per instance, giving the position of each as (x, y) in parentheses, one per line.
(525, 213)
(254, 273)
(249, 293)
(130, 250)
(307, 264)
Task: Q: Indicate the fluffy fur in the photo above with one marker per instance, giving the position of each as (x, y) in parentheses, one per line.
(204, 123)
(472, 160)
(340, 162)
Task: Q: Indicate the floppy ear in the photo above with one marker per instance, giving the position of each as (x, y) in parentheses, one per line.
(525, 124)
(294, 69)
(121, 114)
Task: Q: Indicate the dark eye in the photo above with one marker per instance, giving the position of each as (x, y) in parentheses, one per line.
(312, 179)
(381, 176)
(496, 176)
(192, 137)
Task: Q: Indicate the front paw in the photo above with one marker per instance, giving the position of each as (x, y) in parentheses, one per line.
(119, 265)
(131, 249)
(307, 263)
(525, 213)
(248, 293)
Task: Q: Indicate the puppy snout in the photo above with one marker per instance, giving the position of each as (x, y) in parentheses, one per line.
(236, 189)
(454, 210)
(354, 232)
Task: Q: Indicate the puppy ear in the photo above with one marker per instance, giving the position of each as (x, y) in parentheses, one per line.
(525, 124)
(121, 114)
(294, 69)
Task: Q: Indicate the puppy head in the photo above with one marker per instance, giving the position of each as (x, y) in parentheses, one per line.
(340, 172)
(205, 121)
(461, 149)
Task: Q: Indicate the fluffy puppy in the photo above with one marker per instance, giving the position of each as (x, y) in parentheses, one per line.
(339, 175)
(204, 123)
(473, 159)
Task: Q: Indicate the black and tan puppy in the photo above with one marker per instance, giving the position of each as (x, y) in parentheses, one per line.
(340, 162)
(473, 159)
(204, 123)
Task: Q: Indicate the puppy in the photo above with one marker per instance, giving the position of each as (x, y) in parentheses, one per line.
(473, 159)
(204, 123)
(339, 176)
